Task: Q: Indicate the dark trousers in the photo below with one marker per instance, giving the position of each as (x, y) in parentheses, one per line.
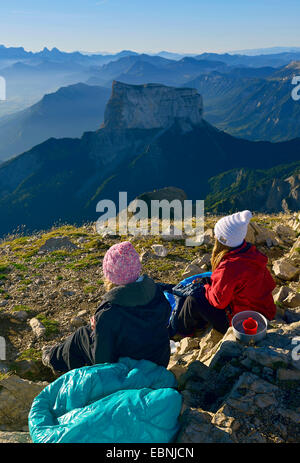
(75, 352)
(197, 312)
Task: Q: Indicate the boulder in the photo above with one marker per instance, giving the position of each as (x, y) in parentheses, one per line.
(284, 270)
(292, 300)
(55, 244)
(37, 327)
(284, 231)
(193, 269)
(286, 374)
(257, 234)
(16, 396)
(202, 260)
(77, 322)
(197, 427)
(208, 345)
(21, 315)
(160, 250)
(15, 438)
(188, 344)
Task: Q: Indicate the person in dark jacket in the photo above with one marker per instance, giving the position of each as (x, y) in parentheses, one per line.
(240, 280)
(132, 320)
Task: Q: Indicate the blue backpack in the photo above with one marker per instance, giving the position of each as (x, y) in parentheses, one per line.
(176, 296)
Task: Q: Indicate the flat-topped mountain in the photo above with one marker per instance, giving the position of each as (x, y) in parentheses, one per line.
(152, 106)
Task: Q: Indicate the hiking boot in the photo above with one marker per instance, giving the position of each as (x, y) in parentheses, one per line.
(46, 357)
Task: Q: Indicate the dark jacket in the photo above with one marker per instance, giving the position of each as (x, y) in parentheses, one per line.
(132, 322)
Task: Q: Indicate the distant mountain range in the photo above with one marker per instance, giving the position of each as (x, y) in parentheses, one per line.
(252, 103)
(266, 51)
(30, 75)
(138, 69)
(153, 136)
(68, 112)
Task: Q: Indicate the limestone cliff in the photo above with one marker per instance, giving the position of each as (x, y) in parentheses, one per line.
(152, 106)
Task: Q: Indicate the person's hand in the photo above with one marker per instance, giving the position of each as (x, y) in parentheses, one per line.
(93, 322)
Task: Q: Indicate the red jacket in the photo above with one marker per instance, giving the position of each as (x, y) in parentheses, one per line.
(243, 282)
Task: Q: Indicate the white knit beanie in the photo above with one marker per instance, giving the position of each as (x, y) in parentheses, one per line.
(232, 229)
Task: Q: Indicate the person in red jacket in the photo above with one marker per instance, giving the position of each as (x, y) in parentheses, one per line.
(240, 280)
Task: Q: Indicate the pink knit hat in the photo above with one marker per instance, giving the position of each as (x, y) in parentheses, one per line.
(121, 264)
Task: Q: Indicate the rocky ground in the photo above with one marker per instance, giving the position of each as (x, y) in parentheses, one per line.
(51, 283)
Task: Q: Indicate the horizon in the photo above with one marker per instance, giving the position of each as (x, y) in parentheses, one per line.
(151, 52)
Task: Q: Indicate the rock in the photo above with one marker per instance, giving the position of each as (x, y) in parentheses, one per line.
(257, 234)
(159, 250)
(187, 345)
(192, 269)
(37, 327)
(290, 415)
(16, 397)
(82, 313)
(3, 303)
(77, 322)
(265, 400)
(207, 346)
(31, 369)
(197, 427)
(21, 315)
(195, 369)
(295, 246)
(146, 255)
(179, 363)
(292, 300)
(280, 293)
(55, 244)
(284, 270)
(15, 438)
(284, 231)
(67, 293)
(150, 106)
(203, 260)
(227, 349)
(285, 374)
(267, 356)
(292, 316)
(208, 237)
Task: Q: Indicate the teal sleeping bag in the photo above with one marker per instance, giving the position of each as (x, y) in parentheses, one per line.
(131, 401)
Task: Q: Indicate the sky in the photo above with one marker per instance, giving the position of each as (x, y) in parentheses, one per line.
(183, 26)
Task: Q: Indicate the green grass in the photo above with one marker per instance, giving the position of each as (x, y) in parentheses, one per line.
(86, 262)
(4, 268)
(50, 325)
(22, 267)
(89, 289)
(18, 308)
(4, 375)
(30, 354)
